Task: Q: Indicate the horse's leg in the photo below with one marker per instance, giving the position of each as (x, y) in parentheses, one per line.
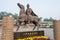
(18, 26)
(38, 28)
(35, 25)
(38, 25)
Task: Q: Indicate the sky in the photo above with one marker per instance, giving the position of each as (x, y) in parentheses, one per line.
(42, 8)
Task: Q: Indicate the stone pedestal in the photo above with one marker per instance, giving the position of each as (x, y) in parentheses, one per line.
(57, 29)
(8, 25)
(30, 25)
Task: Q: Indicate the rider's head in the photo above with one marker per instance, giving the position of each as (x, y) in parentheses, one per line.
(28, 5)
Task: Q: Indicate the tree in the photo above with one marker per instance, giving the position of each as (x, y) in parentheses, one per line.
(50, 19)
(15, 16)
(40, 18)
(2, 14)
(46, 19)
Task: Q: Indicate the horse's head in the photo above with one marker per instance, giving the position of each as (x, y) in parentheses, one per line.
(20, 5)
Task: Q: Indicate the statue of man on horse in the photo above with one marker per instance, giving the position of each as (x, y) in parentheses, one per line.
(27, 17)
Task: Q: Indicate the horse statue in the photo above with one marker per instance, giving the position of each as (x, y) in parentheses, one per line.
(32, 17)
(27, 17)
(22, 16)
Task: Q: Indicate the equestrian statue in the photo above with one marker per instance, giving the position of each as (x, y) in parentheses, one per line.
(27, 17)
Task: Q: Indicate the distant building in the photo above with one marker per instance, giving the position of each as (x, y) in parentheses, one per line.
(46, 24)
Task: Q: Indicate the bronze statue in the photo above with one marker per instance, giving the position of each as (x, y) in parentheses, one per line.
(22, 16)
(30, 11)
(27, 17)
(32, 17)
(22, 9)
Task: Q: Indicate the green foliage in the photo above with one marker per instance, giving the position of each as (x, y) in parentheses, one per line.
(2, 14)
(15, 16)
(51, 26)
(50, 19)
